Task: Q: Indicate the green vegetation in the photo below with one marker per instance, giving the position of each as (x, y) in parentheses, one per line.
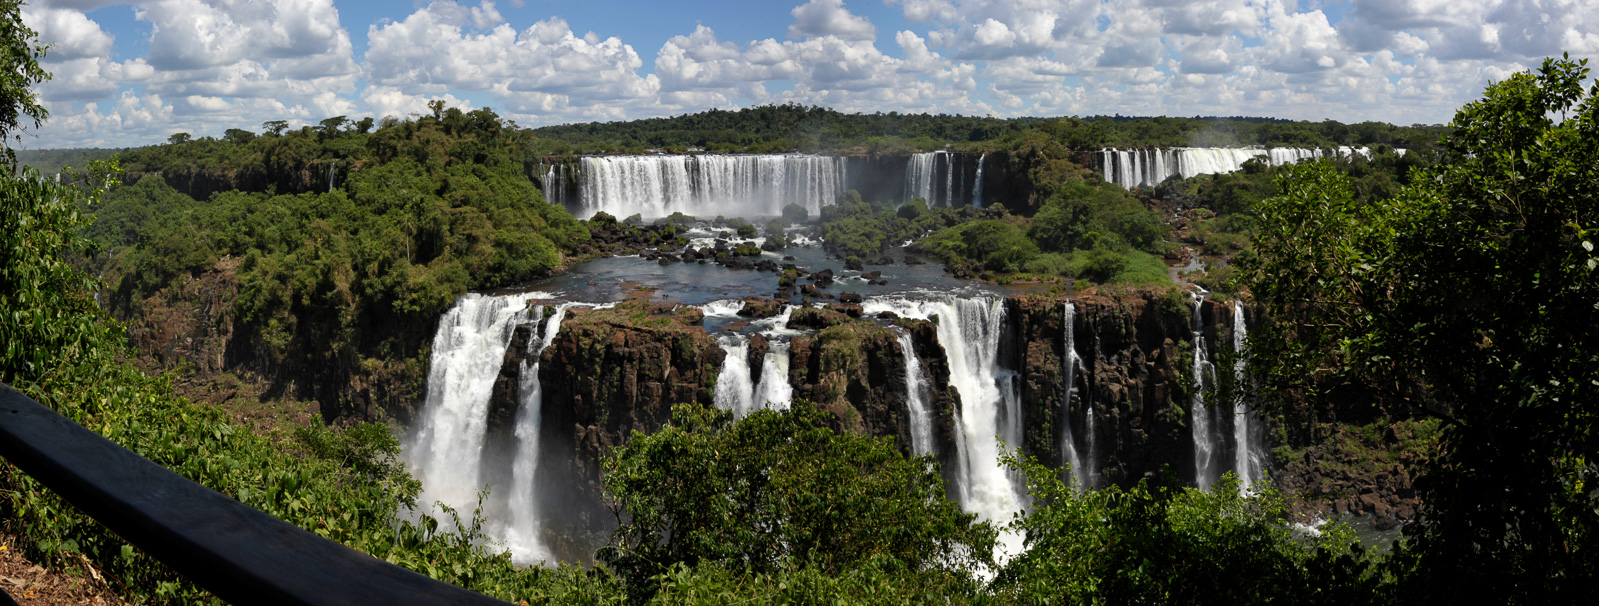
(423, 211)
(1463, 292)
(792, 127)
(1158, 544)
(1468, 297)
(780, 490)
(855, 228)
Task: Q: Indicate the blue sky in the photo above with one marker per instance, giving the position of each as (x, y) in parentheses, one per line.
(134, 73)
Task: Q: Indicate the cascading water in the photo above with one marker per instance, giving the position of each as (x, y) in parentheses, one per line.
(468, 349)
(977, 184)
(919, 177)
(969, 331)
(1149, 167)
(709, 185)
(446, 452)
(1249, 459)
(333, 173)
(1068, 443)
(1199, 412)
(774, 390)
(734, 391)
(723, 308)
(916, 399)
(521, 537)
(553, 184)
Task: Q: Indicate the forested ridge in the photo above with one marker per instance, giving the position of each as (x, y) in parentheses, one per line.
(1456, 286)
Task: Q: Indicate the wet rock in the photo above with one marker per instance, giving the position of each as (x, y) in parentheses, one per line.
(849, 297)
(853, 264)
(872, 275)
(760, 308)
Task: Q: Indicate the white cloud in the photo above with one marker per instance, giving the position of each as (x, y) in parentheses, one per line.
(829, 18)
(545, 70)
(216, 64)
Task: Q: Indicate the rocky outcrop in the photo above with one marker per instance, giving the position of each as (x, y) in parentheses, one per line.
(855, 370)
(608, 373)
(1132, 381)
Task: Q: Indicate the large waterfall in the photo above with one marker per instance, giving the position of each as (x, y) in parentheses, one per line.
(939, 177)
(774, 391)
(1150, 166)
(1249, 458)
(708, 185)
(916, 397)
(521, 536)
(969, 330)
(734, 391)
(1204, 421)
(1068, 443)
(446, 451)
(468, 348)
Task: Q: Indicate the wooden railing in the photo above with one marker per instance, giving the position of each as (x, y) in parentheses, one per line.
(239, 554)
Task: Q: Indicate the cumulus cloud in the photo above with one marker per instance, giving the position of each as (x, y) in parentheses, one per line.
(543, 70)
(208, 65)
(829, 18)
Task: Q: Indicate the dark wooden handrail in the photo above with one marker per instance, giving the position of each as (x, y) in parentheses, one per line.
(236, 552)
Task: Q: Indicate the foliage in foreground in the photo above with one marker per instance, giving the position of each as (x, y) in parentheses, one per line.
(777, 490)
(1469, 297)
(1161, 544)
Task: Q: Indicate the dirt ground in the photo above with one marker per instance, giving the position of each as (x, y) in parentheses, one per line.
(28, 583)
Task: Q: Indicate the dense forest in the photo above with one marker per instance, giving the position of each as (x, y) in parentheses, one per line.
(1457, 286)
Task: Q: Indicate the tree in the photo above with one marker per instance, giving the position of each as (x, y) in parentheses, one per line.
(19, 72)
(238, 136)
(275, 127)
(779, 488)
(1470, 297)
(178, 138)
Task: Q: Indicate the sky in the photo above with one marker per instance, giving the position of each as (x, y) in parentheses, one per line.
(130, 74)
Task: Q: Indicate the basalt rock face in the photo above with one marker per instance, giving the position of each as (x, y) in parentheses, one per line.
(607, 373)
(855, 370)
(1129, 381)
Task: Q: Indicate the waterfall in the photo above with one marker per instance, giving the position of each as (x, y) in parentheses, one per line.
(522, 536)
(919, 177)
(1203, 422)
(333, 172)
(950, 170)
(969, 331)
(1149, 167)
(916, 399)
(734, 391)
(723, 308)
(1068, 444)
(977, 184)
(774, 391)
(468, 349)
(1249, 458)
(708, 185)
(552, 184)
